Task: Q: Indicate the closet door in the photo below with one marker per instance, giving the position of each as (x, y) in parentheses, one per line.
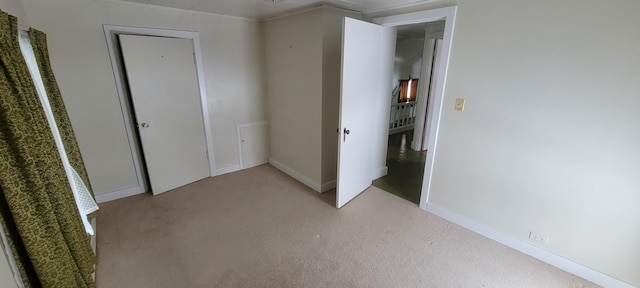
(164, 90)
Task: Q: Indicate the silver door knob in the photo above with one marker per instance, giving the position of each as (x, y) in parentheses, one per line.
(144, 125)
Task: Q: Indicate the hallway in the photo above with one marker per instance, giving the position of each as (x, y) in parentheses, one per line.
(406, 168)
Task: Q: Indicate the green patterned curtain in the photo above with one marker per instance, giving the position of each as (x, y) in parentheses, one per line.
(41, 51)
(39, 214)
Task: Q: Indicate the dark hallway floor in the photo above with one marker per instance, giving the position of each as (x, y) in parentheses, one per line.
(406, 168)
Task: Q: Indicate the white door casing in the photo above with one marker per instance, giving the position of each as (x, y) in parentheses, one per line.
(448, 14)
(361, 79)
(164, 91)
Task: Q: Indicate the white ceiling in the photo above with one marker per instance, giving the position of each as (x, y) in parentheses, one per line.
(260, 9)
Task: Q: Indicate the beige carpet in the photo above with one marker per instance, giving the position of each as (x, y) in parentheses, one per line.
(260, 228)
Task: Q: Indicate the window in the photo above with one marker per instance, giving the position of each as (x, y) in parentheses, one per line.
(408, 90)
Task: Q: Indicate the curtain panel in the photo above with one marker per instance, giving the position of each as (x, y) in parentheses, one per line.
(39, 213)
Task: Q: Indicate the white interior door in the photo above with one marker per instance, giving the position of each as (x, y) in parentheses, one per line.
(437, 51)
(424, 90)
(254, 144)
(164, 90)
(361, 77)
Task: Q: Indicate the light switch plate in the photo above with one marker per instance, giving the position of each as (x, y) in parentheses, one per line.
(459, 104)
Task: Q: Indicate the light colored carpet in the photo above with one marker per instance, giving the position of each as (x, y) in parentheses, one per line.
(260, 228)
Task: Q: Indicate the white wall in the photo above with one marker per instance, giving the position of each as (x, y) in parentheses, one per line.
(15, 8)
(408, 58)
(293, 73)
(77, 46)
(331, 67)
(548, 139)
(6, 276)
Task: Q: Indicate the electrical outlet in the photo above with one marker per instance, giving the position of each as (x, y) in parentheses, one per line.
(459, 104)
(539, 238)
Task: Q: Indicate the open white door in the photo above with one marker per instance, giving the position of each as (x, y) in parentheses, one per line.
(436, 71)
(361, 81)
(166, 99)
(424, 94)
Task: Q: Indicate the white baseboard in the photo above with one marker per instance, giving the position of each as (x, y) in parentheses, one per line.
(110, 196)
(530, 249)
(326, 186)
(379, 172)
(227, 170)
(296, 175)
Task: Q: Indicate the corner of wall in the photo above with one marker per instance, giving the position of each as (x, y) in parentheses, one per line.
(316, 186)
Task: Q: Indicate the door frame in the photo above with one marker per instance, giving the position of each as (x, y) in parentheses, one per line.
(435, 106)
(111, 33)
(426, 73)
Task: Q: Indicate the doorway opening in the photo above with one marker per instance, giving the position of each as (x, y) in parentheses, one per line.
(405, 168)
(438, 23)
(414, 62)
(370, 49)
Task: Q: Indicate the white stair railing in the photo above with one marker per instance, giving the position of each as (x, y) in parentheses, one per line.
(403, 117)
